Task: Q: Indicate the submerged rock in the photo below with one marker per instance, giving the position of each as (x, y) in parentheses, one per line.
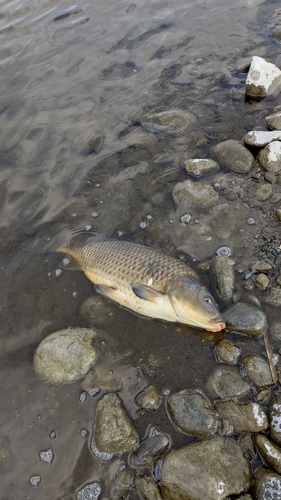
(97, 310)
(147, 488)
(264, 191)
(65, 356)
(222, 277)
(210, 469)
(234, 155)
(275, 420)
(263, 78)
(199, 167)
(261, 138)
(267, 485)
(227, 352)
(246, 319)
(273, 296)
(173, 122)
(274, 121)
(226, 382)
(257, 369)
(149, 399)
(113, 432)
(269, 451)
(270, 157)
(192, 412)
(188, 193)
(248, 417)
(148, 452)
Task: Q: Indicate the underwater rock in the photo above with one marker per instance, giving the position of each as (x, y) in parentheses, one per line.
(91, 491)
(97, 310)
(257, 369)
(173, 122)
(248, 417)
(226, 382)
(246, 319)
(147, 488)
(264, 191)
(103, 378)
(210, 469)
(188, 193)
(199, 167)
(227, 352)
(275, 420)
(269, 451)
(113, 432)
(261, 138)
(150, 449)
(270, 157)
(192, 412)
(223, 277)
(234, 156)
(273, 296)
(262, 281)
(263, 78)
(149, 399)
(274, 121)
(65, 356)
(267, 485)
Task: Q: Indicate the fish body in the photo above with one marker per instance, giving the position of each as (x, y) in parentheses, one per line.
(145, 280)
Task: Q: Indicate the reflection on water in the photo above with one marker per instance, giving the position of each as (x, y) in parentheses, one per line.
(86, 138)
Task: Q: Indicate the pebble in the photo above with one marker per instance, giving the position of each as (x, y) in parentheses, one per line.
(189, 193)
(226, 382)
(227, 352)
(149, 399)
(261, 138)
(267, 485)
(246, 319)
(270, 157)
(113, 432)
(275, 420)
(186, 218)
(263, 78)
(91, 491)
(209, 469)
(148, 452)
(199, 167)
(264, 191)
(192, 412)
(273, 296)
(262, 395)
(65, 356)
(262, 281)
(223, 278)
(274, 121)
(248, 417)
(147, 488)
(35, 480)
(261, 266)
(257, 369)
(269, 451)
(269, 177)
(47, 456)
(234, 156)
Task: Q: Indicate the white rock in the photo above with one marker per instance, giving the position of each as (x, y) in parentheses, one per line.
(263, 78)
(261, 138)
(270, 157)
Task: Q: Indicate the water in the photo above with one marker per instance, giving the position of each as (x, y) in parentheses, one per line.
(79, 83)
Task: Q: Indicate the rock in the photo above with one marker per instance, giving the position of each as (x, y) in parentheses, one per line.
(192, 412)
(267, 485)
(248, 417)
(278, 213)
(122, 482)
(258, 370)
(97, 310)
(263, 78)
(264, 191)
(147, 488)
(148, 452)
(113, 432)
(274, 121)
(273, 296)
(223, 278)
(245, 497)
(277, 32)
(269, 451)
(261, 138)
(246, 319)
(227, 352)
(210, 469)
(270, 157)
(262, 281)
(199, 167)
(173, 122)
(103, 378)
(226, 382)
(247, 445)
(91, 491)
(261, 266)
(188, 193)
(149, 399)
(234, 156)
(262, 395)
(275, 420)
(65, 356)
(269, 177)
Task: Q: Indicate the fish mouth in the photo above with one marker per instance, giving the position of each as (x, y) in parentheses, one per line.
(216, 324)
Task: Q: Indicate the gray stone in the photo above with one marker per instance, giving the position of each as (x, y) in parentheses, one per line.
(147, 488)
(273, 296)
(234, 155)
(261, 138)
(227, 352)
(113, 432)
(269, 451)
(270, 157)
(274, 121)
(264, 191)
(223, 277)
(65, 356)
(97, 310)
(247, 444)
(226, 382)
(199, 167)
(248, 417)
(263, 78)
(188, 193)
(275, 420)
(210, 469)
(267, 485)
(173, 122)
(192, 412)
(149, 399)
(277, 32)
(258, 370)
(246, 319)
(148, 452)
(261, 266)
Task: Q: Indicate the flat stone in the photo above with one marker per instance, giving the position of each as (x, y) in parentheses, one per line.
(222, 278)
(227, 352)
(147, 488)
(263, 78)
(274, 121)
(199, 167)
(246, 319)
(149, 399)
(248, 417)
(226, 382)
(261, 138)
(210, 469)
(234, 156)
(273, 296)
(264, 191)
(275, 420)
(148, 452)
(257, 369)
(270, 157)
(267, 485)
(269, 451)
(113, 431)
(188, 193)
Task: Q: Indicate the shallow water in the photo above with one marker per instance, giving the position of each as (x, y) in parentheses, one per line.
(79, 82)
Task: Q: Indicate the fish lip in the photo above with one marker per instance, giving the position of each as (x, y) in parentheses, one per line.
(217, 324)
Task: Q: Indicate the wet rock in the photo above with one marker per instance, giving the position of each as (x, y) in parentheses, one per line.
(47, 456)
(258, 370)
(96, 310)
(210, 469)
(173, 122)
(262, 395)
(247, 445)
(261, 138)
(192, 412)
(261, 266)
(274, 121)
(262, 280)
(269, 451)
(275, 420)
(267, 485)
(234, 155)
(269, 177)
(246, 319)
(188, 193)
(147, 453)
(264, 191)
(113, 432)
(147, 488)
(227, 352)
(122, 483)
(199, 167)
(273, 296)
(226, 382)
(278, 213)
(270, 157)
(149, 399)
(65, 356)
(248, 417)
(91, 491)
(103, 378)
(222, 277)
(263, 78)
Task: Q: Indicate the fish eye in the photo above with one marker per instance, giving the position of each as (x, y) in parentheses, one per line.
(208, 299)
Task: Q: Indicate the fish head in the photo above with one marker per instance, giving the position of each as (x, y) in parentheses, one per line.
(194, 305)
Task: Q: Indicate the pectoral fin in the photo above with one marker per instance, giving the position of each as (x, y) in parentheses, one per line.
(145, 292)
(105, 290)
